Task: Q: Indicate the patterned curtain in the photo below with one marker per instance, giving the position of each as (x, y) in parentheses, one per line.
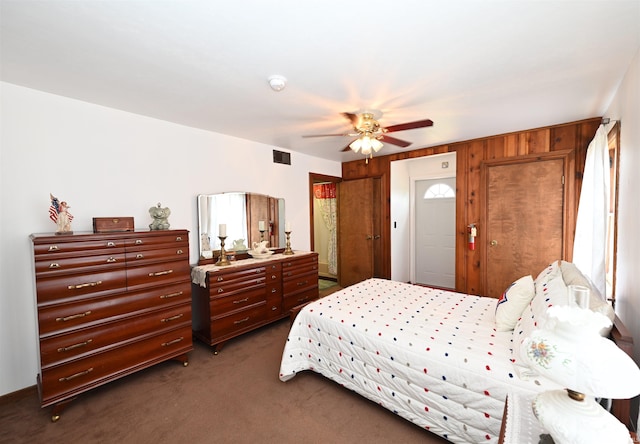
(325, 195)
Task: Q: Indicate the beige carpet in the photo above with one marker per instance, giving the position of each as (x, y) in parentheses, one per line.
(234, 397)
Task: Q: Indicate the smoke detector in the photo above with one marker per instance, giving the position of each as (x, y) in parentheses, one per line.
(277, 82)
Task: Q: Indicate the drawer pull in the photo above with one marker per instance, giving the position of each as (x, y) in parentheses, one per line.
(273, 290)
(111, 244)
(300, 284)
(220, 279)
(303, 299)
(77, 375)
(178, 238)
(172, 318)
(53, 248)
(241, 321)
(75, 316)
(71, 347)
(161, 273)
(111, 260)
(175, 341)
(220, 290)
(54, 265)
(273, 276)
(88, 284)
(138, 241)
(179, 252)
(171, 295)
(240, 301)
(139, 256)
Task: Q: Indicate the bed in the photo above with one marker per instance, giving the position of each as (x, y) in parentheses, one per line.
(432, 356)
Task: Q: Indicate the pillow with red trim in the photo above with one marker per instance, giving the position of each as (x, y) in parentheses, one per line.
(513, 302)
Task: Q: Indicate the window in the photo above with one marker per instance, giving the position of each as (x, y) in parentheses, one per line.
(439, 191)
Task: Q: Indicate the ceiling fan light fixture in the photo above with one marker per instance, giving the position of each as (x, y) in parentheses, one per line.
(376, 145)
(356, 145)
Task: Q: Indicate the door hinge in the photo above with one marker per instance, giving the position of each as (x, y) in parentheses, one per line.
(563, 179)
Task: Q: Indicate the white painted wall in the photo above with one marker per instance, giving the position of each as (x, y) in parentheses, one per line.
(106, 162)
(625, 108)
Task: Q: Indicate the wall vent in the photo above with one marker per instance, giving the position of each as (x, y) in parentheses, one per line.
(281, 157)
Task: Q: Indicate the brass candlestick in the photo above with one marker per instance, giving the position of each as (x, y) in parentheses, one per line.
(288, 250)
(222, 260)
(262, 235)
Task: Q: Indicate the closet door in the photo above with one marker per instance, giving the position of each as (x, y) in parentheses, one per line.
(525, 216)
(358, 230)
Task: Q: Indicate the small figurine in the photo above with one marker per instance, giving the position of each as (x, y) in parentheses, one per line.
(59, 213)
(160, 218)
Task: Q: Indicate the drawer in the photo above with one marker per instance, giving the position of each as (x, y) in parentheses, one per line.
(61, 318)
(300, 267)
(135, 258)
(310, 259)
(301, 297)
(67, 380)
(217, 279)
(82, 342)
(274, 302)
(238, 321)
(238, 286)
(77, 286)
(157, 239)
(45, 247)
(249, 296)
(166, 273)
(300, 282)
(52, 266)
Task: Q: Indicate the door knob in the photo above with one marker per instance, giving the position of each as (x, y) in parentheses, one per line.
(493, 243)
(369, 237)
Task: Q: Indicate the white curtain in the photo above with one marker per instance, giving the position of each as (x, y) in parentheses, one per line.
(590, 243)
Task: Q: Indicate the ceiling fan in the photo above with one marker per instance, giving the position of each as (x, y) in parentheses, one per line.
(370, 134)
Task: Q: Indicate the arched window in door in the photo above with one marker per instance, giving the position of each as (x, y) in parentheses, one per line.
(439, 191)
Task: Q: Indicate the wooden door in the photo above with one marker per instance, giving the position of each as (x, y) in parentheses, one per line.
(356, 227)
(525, 208)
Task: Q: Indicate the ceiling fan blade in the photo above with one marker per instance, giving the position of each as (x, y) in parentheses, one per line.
(408, 126)
(394, 141)
(354, 118)
(327, 135)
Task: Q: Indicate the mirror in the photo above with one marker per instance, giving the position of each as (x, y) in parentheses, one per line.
(244, 214)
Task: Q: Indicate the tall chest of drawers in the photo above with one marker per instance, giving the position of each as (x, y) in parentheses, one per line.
(108, 305)
(230, 301)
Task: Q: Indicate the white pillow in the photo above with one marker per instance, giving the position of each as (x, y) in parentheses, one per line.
(550, 292)
(513, 301)
(573, 276)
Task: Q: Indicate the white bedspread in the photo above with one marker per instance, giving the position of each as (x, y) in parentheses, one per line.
(431, 356)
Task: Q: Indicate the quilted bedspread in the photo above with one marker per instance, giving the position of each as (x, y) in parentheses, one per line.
(431, 356)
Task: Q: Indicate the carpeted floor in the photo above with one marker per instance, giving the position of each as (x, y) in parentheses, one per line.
(234, 397)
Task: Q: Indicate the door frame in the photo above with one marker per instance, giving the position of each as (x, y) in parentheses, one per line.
(313, 179)
(568, 214)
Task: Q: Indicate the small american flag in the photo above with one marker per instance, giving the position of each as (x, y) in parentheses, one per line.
(54, 209)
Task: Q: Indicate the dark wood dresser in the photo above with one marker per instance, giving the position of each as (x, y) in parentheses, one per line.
(250, 293)
(108, 305)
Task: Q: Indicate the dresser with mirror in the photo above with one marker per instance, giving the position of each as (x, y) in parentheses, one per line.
(230, 300)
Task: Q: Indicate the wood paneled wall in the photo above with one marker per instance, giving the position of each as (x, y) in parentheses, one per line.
(574, 136)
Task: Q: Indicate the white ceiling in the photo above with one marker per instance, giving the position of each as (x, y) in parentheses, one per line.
(476, 68)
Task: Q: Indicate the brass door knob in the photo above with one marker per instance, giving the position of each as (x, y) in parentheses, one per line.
(493, 243)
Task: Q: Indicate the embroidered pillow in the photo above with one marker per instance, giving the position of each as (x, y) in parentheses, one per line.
(512, 302)
(550, 290)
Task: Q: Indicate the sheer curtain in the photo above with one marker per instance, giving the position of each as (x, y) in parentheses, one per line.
(590, 243)
(325, 195)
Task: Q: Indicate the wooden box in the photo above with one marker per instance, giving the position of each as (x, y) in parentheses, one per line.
(112, 224)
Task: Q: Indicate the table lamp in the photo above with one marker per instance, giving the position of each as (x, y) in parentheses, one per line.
(569, 350)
